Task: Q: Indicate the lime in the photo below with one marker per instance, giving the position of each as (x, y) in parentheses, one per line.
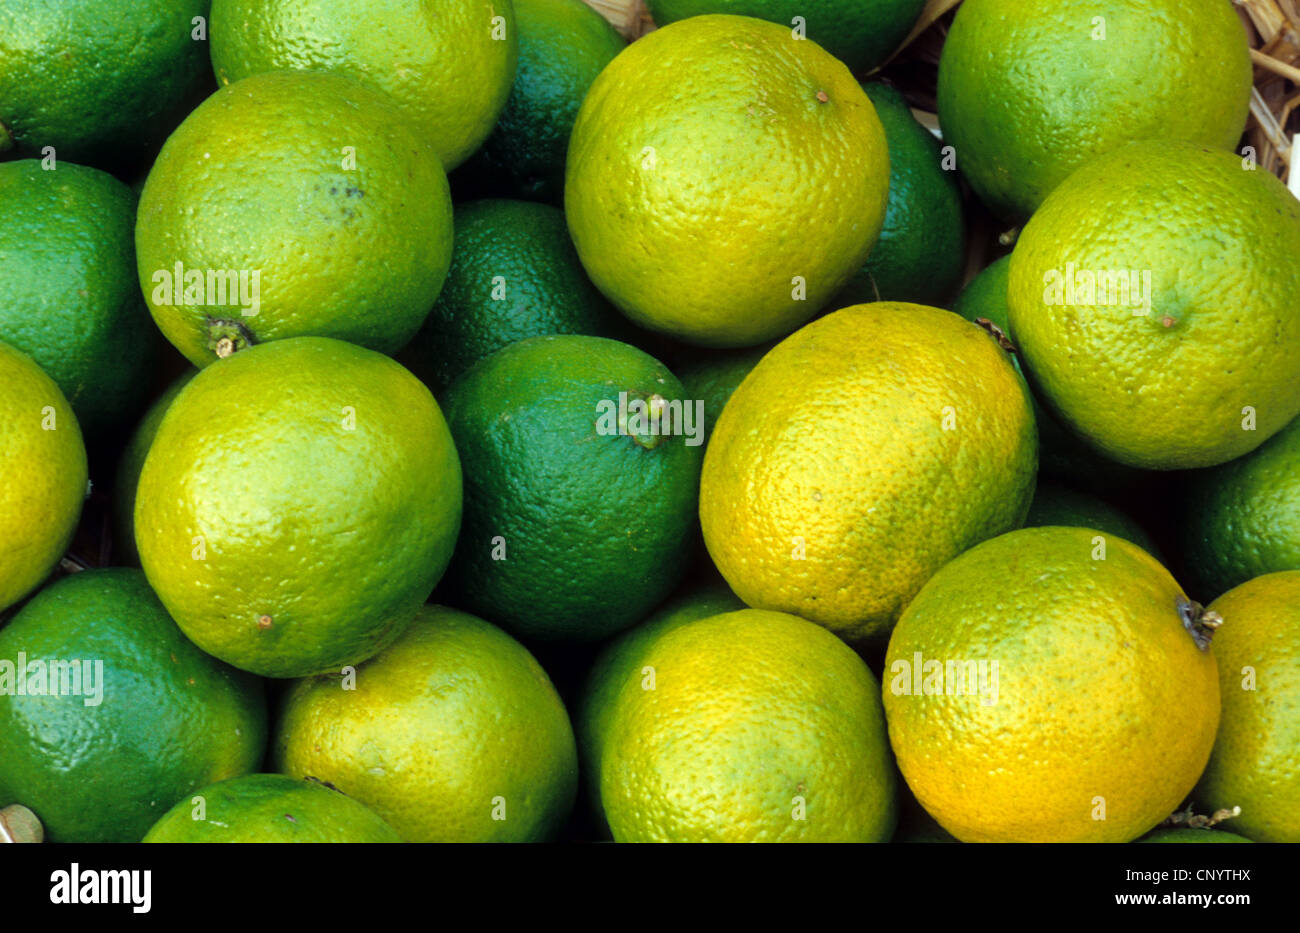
(1042, 689)
(1030, 91)
(1166, 340)
(861, 454)
(121, 715)
(922, 247)
(448, 64)
(582, 461)
(72, 302)
(270, 808)
(452, 734)
(298, 505)
(43, 462)
(288, 205)
(514, 274)
(713, 376)
(563, 46)
(725, 180)
(749, 726)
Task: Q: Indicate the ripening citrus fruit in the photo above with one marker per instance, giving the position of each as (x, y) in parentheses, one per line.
(293, 204)
(1256, 760)
(1029, 91)
(448, 64)
(123, 716)
(270, 808)
(582, 464)
(297, 506)
(1045, 686)
(98, 80)
(724, 180)
(1166, 339)
(748, 726)
(861, 33)
(43, 462)
(452, 734)
(72, 300)
(861, 454)
(1241, 520)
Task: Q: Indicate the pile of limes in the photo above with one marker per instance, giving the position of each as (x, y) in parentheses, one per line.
(560, 417)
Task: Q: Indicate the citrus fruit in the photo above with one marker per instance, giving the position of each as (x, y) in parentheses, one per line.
(96, 79)
(270, 808)
(72, 302)
(129, 465)
(1060, 453)
(922, 247)
(860, 455)
(749, 726)
(448, 65)
(1042, 689)
(1055, 504)
(298, 505)
(293, 204)
(579, 499)
(43, 462)
(713, 375)
(121, 714)
(724, 180)
(514, 274)
(1256, 760)
(452, 734)
(861, 33)
(1242, 519)
(1166, 340)
(563, 46)
(1192, 835)
(1029, 91)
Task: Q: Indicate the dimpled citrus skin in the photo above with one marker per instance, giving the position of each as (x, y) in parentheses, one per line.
(1101, 692)
(96, 79)
(1026, 93)
(1256, 759)
(1242, 519)
(438, 59)
(271, 808)
(835, 445)
(322, 480)
(44, 472)
(1167, 389)
(705, 174)
(164, 718)
(260, 178)
(453, 722)
(754, 717)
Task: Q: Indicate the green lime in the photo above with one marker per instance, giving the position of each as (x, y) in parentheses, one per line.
(72, 300)
(448, 64)
(121, 714)
(270, 808)
(452, 734)
(98, 80)
(563, 46)
(922, 247)
(861, 33)
(43, 463)
(129, 465)
(1030, 91)
(1055, 504)
(582, 463)
(712, 375)
(288, 205)
(514, 274)
(1242, 520)
(298, 505)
